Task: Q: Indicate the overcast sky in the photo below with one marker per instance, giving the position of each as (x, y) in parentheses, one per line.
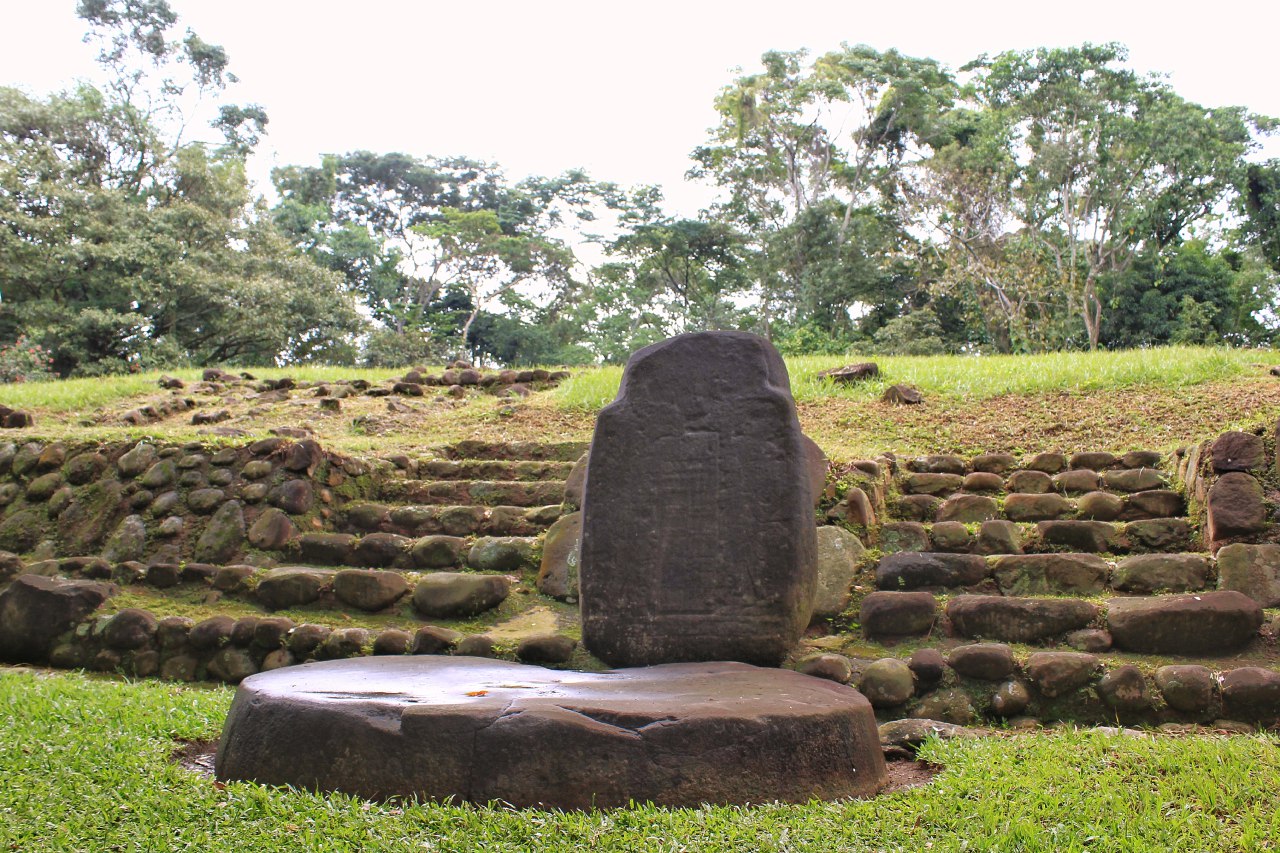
(622, 89)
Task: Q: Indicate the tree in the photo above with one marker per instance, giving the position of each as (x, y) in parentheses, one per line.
(1107, 162)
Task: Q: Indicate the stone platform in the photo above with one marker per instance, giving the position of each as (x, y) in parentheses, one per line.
(482, 730)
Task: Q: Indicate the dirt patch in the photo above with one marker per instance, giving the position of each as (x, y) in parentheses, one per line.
(195, 755)
(908, 773)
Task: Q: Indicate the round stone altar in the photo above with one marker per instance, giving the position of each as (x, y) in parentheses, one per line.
(480, 730)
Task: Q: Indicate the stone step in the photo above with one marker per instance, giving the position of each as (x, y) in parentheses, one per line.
(1076, 482)
(564, 451)
(492, 469)
(998, 536)
(522, 493)
(1067, 574)
(968, 507)
(425, 520)
(1049, 463)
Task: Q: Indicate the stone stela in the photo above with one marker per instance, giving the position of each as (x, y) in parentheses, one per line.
(698, 532)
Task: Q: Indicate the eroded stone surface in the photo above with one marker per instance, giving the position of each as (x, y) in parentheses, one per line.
(482, 730)
(698, 540)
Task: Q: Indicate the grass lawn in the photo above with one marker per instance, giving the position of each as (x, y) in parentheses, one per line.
(85, 765)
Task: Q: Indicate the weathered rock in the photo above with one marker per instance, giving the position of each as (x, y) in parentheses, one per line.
(328, 549)
(437, 552)
(304, 456)
(272, 530)
(223, 536)
(42, 488)
(839, 555)
(292, 586)
(346, 643)
(908, 570)
(499, 553)
(271, 633)
(1186, 687)
(452, 595)
(1039, 574)
(1010, 699)
(702, 444)
(951, 536)
(902, 395)
(369, 589)
(1251, 693)
(1017, 620)
(1202, 624)
(855, 508)
(949, 705)
(1093, 460)
(558, 570)
(137, 460)
(233, 578)
(999, 537)
(1235, 507)
(1058, 673)
(1047, 463)
(295, 497)
(1253, 570)
(897, 614)
(546, 648)
(983, 482)
(851, 373)
(987, 661)
(1148, 573)
(1021, 507)
(1076, 482)
(968, 509)
(1124, 689)
(887, 683)
(938, 464)
(829, 666)
(1100, 506)
(910, 734)
(576, 483)
(232, 665)
(306, 639)
(1141, 459)
(212, 633)
(159, 475)
(35, 610)
(680, 735)
(917, 507)
(993, 463)
(1159, 503)
(1134, 480)
(434, 640)
(20, 531)
(928, 665)
(1087, 536)
(1029, 482)
(131, 628)
(899, 536)
(1237, 451)
(205, 501)
(381, 549)
(932, 484)
(392, 641)
(1159, 534)
(129, 542)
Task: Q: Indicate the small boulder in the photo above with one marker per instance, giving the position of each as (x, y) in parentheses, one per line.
(908, 570)
(1147, 573)
(985, 661)
(272, 530)
(1124, 689)
(1235, 507)
(499, 553)
(453, 595)
(968, 509)
(1252, 694)
(131, 628)
(902, 395)
(1017, 620)
(1039, 574)
(839, 555)
(887, 683)
(438, 552)
(1237, 451)
(35, 610)
(369, 589)
(1186, 687)
(1253, 570)
(292, 586)
(1024, 507)
(1201, 624)
(1058, 673)
(897, 614)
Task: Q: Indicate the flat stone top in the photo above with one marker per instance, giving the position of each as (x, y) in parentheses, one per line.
(486, 685)
(481, 730)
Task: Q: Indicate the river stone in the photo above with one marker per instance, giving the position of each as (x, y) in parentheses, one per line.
(1100, 506)
(993, 463)
(1017, 620)
(1059, 673)
(1147, 573)
(951, 536)
(887, 683)
(1036, 574)
(982, 482)
(1029, 483)
(999, 537)
(558, 571)
(1186, 687)
(438, 552)
(1010, 699)
(129, 542)
(1253, 570)
(1235, 507)
(223, 536)
(1072, 535)
(675, 735)
(1124, 689)
(35, 610)
(292, 586)
(968, 509)
(938, 464)
(987, 661)
(1134, 480)
(455, 595)
(897, 614)
(369, 589)
(899, 536)
(379, 550)
(499, 553)
(1024, 507)
(131, 628)
(698, 540)
(272, 531)
(1251, 693)
(832, 667)
(910, 570)
(839, 555)
(1237, 451)
(1202, 624)
(137, 460)
(326, 549)
(1076, 482)
(293, 496)
(935, 485)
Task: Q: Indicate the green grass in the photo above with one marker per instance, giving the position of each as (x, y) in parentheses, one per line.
(85, 766)
(979, 377)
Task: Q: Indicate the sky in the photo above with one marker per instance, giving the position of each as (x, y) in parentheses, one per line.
(624, 90)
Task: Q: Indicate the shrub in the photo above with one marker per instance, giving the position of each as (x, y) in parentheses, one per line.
(24, 361)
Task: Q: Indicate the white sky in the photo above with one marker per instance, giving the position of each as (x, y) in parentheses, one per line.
(623, 89)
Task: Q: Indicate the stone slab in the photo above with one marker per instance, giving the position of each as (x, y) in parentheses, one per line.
(698, 541)
(479, 730)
